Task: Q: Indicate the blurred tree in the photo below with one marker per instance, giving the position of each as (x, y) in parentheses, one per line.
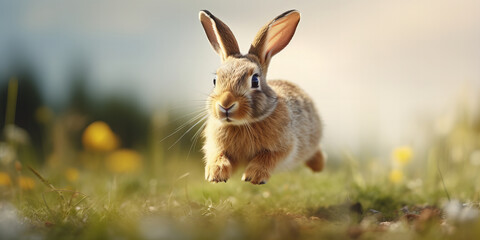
(127, 120)
(79, 98)
(121, 113)
(28, 101)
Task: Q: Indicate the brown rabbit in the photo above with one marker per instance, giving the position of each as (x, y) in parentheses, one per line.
(261, 124)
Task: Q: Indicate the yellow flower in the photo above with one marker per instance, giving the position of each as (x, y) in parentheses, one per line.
(99, 137)
(71, 174)
(124, 161)
(26, 183)
(5, 179)
(402, 155)
(396, 176)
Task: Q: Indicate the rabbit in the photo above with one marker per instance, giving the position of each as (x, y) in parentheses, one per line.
(263, 125)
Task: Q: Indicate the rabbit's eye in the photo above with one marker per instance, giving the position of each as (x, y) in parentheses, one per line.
(215, 81)
(255, 81)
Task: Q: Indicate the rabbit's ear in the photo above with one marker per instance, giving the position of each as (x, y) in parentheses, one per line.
(275, 36)
(220, 36)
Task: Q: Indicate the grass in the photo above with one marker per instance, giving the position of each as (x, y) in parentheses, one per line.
(176, 202)
(95, 190)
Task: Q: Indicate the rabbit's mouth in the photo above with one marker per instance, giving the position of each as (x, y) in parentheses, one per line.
(233, 121)
(226, 118)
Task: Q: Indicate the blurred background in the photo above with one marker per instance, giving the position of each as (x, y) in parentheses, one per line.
(101, 105)
(382, 74)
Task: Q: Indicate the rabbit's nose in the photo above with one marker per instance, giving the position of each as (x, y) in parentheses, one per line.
(226, 101)
(225, 109)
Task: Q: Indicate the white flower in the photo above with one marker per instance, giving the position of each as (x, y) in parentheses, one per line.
(7, 153)
(156, 227)
(11, 225)
(16, 134)
(460, 213)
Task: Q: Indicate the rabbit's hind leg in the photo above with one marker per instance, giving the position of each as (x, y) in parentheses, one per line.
(317, 161)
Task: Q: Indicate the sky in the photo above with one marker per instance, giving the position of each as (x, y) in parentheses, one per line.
(380, 72)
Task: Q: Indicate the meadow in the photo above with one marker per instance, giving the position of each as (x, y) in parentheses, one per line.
(90, 178)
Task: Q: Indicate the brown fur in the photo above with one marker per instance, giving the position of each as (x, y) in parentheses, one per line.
(242, 144)
(316, 162)
(263, 127)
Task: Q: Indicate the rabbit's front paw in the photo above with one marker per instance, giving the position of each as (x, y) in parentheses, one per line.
(256, 174)
(218, 171)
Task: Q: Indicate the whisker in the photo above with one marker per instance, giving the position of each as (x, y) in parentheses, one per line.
(199, 115)
(188, 114)
(195, 138)
(200, 100)
(185, 104)
(198, 131)
(203, 118)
